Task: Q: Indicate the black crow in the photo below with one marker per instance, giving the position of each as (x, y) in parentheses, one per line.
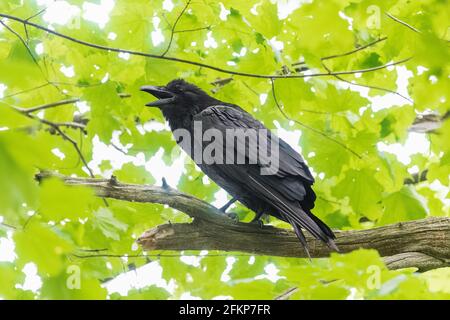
(285, 194)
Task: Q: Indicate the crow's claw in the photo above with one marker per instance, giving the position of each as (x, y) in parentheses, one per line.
(259, 222)
(233, 216)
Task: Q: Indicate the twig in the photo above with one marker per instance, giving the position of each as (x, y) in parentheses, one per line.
(195, 63)
(366, 86)
(29, 18)
(25, 22)
(174, 26)
(36, 14)
(193, 30)
(346, 53)
(286, 295)
(73, 125)
(51, 105)
(26, 91)
(26, 46)
(118, 149)
(402, 22)
(306, 126)
(72, 141)
(8, 226)
(61, 103)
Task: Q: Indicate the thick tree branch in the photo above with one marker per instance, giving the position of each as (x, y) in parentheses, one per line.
(111, 188)
(424, 244)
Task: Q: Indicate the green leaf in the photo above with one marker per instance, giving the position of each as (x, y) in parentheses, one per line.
(363, 191)
(59, 202)
(39, 244)
(403, 205)
(149, 293)
(104, 102)
(108, 224)
(61, 287)
(9, 277)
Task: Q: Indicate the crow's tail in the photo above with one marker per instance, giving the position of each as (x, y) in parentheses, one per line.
(313, 225)
(292, 212)
(326, 230)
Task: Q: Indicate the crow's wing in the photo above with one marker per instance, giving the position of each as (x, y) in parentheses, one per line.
(284, 190)
(290, 162)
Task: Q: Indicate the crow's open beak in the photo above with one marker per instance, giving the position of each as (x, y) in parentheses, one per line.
(164, 96)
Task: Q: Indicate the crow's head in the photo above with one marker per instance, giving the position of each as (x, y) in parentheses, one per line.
(179, 96)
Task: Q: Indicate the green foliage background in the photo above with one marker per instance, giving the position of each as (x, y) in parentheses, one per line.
(51, 224)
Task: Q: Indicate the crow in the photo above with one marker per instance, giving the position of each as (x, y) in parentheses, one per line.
(285, 194)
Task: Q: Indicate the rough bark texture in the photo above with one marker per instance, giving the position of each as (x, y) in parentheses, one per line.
(424, 244)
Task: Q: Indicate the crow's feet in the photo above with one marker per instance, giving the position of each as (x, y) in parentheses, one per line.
(233, 216)
(258, 222)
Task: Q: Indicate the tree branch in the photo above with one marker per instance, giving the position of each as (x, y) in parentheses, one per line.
(195, 63)
(421, 243)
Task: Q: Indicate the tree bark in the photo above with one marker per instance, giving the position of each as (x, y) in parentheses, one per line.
(424, 244)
